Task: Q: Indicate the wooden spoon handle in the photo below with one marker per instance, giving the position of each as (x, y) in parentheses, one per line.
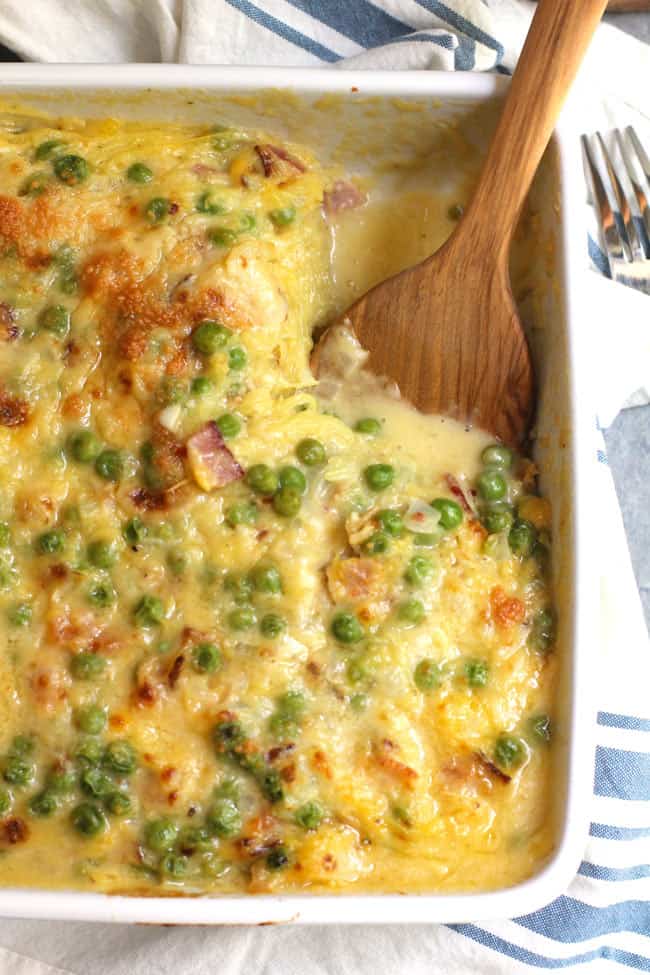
(556, 43)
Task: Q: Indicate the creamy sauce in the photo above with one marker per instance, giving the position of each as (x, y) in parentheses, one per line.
(219, 676)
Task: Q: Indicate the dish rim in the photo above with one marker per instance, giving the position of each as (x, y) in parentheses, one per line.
(554, 877)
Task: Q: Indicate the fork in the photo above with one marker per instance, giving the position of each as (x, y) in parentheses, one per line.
(620, 190)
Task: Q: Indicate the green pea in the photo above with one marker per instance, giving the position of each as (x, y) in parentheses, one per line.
(239, 586)
(391, 522)
(356, 671)
(87, 666)
(379, 476)
(223, 818)
(5, 801)
(96, 783)
(209, 337)
(229, 426)
(272, 625)
(227, 735)
(118, 803)
(359, 702)
(71, 169)
(262, 479)
(289, 711)
(222, 236)
(101, 594)
(241, 514)
(101, 553)
(194, 838)
(120, 757)
(177, 562)
(266, 578)
(346, 628)
(522, 537)
(84, 446)
(157, 209)
(43, 804)
(542, 634)
(451, 513)
(110, 465)
(228, 788)
(282, 216)
(509, 752)
(287, 502)
(61, 779)
(20, 614)
(149, 611)
(491, 485)
(311, 452)
(496, 455)
(247, 221)
(22, 745)
(55, 319)
(292, 477)
(207, 658)
(201, 386)
(89, 752)
(49, 543)
(270, 785)
(160, 834)
(237, 358)
(369, 426)
(277, 858)
(309, 815)
(206, 203)
(18, 771)
(418, 570)
(139, 173)
(174, 865)
(242, 619)
(46, 149)
(35, 184)
(498, 518)
(541, 728)
(427, 675)
(135, 531)
(88, 819)
(411, 611)
(377, 544)
(91, 719)
(476, 672)
(5, 534)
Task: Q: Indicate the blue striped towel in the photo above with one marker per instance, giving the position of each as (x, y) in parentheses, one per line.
(601, 924)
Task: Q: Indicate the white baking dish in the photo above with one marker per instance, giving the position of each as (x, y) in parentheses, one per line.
(351, 124)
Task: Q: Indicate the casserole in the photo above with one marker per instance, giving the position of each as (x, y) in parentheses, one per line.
(390, 134)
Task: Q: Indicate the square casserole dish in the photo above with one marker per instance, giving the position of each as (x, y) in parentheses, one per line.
(350, 116)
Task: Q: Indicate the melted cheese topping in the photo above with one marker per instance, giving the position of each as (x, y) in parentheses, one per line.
(220, 676)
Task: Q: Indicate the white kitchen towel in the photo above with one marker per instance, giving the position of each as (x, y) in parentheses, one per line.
(602, 923)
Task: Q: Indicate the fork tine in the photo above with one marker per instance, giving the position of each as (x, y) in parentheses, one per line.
(634, 249)
(640, 191)
(611, 237)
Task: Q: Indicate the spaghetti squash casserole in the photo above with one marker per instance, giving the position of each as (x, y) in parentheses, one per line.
(257, 634)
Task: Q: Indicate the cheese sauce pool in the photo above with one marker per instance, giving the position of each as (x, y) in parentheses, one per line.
(258, 634)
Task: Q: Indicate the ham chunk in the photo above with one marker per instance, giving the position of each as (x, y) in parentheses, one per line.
(342, 196)
(211, 463)
(276, 161)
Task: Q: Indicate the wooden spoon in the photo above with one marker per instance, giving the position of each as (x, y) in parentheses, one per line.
(447, 330)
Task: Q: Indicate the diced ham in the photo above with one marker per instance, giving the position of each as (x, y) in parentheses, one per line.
(211, 463)
(383, 752)
(276, 161)
(13, 410)
(342, 196)
(8, 328)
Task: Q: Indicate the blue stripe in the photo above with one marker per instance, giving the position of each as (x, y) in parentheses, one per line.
(568, 920)
(462, 24)
(621, 774)
(360, 21)
(598, 257)
(597, 872)
(282, 30)
(606, 832)
(601, 457)
(527, 957)
(448, 41)
(465, 54)
(629, 722)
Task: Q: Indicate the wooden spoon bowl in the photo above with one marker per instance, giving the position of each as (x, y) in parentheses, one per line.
(447, 330)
